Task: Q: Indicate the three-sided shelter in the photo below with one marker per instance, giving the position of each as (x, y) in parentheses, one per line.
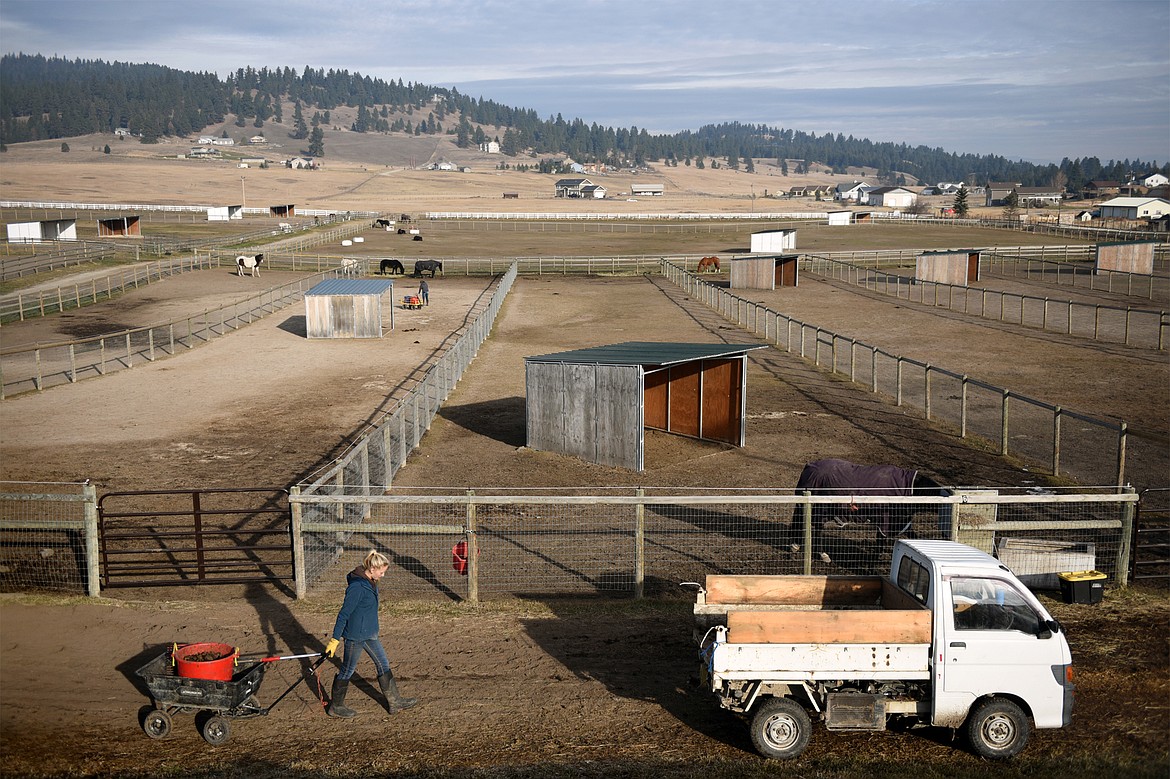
(596, 403)
(224, 213)
(46, 230)
(119, 227)
(764, 272)
(959, 267)
(773, 241)
(840, 218)
(348, 308)
(283, 210)
(1126, 257)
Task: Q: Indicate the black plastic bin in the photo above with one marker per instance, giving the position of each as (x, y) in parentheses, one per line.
(1082, 586)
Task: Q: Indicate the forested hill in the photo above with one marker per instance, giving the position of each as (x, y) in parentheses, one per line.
(45, 98)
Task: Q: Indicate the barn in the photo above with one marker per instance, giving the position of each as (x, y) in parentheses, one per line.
(773, 241)
(779, 270)
(1128, 257)
(224, 213)
(349, 308)
(47, 230)
(596, 403)
(120, 227)
(959, 267)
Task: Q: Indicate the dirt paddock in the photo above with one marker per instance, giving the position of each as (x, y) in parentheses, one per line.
(516, 687)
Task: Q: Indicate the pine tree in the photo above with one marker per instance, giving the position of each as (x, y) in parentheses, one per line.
(317, 142)
(1011, 207)
(962, 208)
(300, 129)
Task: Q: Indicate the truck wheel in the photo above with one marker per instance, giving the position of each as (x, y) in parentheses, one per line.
(997, 729)
(781, 729)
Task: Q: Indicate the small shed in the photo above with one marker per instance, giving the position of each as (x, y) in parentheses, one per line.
(778, 270)
(46, 230)
(837, 218)
(773, 241)
(959, 267)
(1128, 257)
(596, 403)
(224, 213)
(349, 308)
(646, 190)
(862, 216)
(285, 210)
(120, 227)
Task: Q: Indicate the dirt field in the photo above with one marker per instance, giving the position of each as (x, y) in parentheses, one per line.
(531, 687)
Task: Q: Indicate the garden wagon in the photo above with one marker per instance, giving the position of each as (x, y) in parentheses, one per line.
(177, 689)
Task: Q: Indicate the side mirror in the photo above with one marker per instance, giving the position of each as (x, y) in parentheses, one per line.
(1047, 628)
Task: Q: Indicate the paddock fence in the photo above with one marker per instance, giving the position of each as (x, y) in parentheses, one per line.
(60, 255)
(39, 367)
(1141, 328)
(646, 541)
(49, 538)
(1057, 440)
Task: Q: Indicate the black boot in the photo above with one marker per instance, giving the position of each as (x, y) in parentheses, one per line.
(394, 701)
(337, 706)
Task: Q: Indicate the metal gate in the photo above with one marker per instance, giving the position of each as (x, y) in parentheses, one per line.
(1151, 545)
(212, 536)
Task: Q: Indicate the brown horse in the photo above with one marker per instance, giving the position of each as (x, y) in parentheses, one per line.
(709, 265)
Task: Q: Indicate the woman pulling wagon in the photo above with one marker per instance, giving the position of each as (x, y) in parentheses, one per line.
(357, 624)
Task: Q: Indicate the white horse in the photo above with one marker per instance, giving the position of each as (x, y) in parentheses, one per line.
(350, 266)
(244, 262)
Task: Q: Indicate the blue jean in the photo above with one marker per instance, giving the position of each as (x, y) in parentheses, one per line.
(353, 653)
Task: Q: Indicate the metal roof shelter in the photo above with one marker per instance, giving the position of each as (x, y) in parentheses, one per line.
(224, 213)
(348, 308)
(596, 403)
(45, 230)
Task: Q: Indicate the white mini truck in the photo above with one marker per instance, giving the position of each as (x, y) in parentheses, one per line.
(951, 638)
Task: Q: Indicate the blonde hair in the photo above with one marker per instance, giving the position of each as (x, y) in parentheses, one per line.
(375, 559)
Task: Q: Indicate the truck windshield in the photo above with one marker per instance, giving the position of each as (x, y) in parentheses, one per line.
(991, 604)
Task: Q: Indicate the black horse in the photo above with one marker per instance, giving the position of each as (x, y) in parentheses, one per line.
(427, 265)
(391, 266)
(382, 223)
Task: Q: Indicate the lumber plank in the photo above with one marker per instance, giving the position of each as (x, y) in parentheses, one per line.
(829, 627)
(794, 590)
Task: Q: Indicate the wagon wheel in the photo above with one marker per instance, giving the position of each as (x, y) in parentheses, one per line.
(157, 724)
(216, 730)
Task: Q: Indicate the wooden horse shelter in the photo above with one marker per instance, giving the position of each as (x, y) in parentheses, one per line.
(283, 210)
(119, 227)
(1127, 257)
(348, 308)
(959, 267)
(764, 272)
(596, 403)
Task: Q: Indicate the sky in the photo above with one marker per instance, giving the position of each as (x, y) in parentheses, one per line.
(1035, 80)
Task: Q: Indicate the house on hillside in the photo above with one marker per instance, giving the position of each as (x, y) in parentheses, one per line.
(301, 163)
(852, 192)
(891, 197)
(490, 147)
(1098, 189)
(998, 190)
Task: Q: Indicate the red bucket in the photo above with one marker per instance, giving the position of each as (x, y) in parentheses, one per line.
(206, 661)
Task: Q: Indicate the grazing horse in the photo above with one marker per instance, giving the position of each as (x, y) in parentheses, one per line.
(425, 265)
(841, 477)
(244, 262)
(391, 266)
(709, 265)
(383, 223)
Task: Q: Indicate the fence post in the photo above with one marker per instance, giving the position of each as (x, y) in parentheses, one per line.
(92, 560)
(1003, 424)
(1125, 543)
(808, 534)
(472, 551)
(639, 544)
(1056, 440)
(926, 391)
(1122, 433)
(297, 539)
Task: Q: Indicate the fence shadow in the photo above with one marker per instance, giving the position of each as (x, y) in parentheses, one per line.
(642, 652)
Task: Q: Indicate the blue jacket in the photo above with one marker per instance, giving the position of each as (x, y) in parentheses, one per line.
(358, 618)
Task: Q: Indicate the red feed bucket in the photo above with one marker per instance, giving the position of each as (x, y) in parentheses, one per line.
(206, 661)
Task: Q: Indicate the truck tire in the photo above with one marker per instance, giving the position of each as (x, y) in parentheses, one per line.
(997, 729)
(781, 729)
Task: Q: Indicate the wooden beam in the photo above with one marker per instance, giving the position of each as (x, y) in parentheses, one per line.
(828, 627)
(794, 590)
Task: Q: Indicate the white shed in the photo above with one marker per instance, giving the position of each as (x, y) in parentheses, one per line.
(47, 230)
(840, 218)
(224, 213)
(773, 241)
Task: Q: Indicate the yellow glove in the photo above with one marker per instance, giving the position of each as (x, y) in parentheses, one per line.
(331, 647)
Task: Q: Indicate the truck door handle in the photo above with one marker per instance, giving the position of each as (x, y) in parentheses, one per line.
(958, 644)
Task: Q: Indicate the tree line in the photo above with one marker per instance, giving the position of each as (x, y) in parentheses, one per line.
(47, 98)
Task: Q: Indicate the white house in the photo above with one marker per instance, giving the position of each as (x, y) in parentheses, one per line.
(491, 147)
(1155, 180)
(1134, 208)
(852, 191)
(301, 162)
(891, 197)
(257, 139)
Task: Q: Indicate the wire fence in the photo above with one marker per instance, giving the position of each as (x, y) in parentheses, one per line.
(48, 538)
(1084, 275)
(1047, 436)
(647, 541)
(1141, 328)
